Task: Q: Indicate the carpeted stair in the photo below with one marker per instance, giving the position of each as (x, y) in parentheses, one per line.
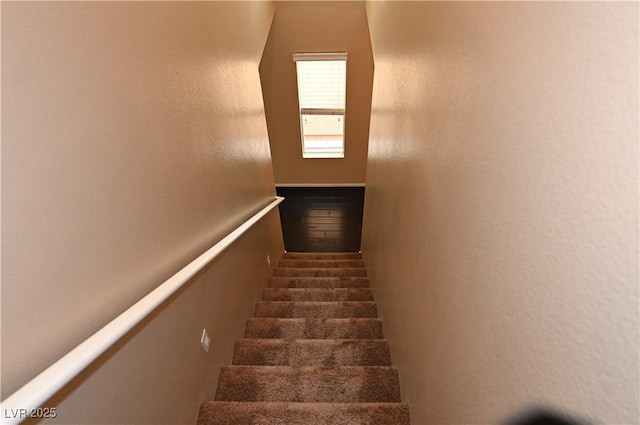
(313, 353)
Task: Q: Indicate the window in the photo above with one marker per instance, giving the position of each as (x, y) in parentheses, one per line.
(322, 83)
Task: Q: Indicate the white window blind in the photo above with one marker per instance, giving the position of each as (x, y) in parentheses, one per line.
(322, 82)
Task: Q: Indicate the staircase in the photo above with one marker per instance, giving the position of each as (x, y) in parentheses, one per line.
(313, 353)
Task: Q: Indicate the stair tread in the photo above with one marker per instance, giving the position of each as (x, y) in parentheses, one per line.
(322, 309)
(321, 303)
(341, 384)
(317, 294)
(321, 255)
(300, 352)
(320, 271)
(319, 281)
(286, 413)
(311, 340)
(321, 263)
(311, 369)
(314, 328)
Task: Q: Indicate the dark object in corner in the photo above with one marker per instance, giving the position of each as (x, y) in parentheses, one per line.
(543, 417)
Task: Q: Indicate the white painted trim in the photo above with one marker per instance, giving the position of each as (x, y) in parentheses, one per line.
(42, 387)
(321, 185)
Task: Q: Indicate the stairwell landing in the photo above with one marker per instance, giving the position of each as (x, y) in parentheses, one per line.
(313, 353)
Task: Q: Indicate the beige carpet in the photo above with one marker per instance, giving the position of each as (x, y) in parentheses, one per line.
(313, 353)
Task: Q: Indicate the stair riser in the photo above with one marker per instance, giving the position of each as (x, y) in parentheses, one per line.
(312, 352)
(318, 310)
(321, 263)
(313, 294)
(314, 328)
(274, 413)
(309, 384)
(318, 282)
(320, 272)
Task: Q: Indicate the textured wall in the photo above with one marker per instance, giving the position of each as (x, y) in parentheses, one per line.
(501, 216)
(133, 138)
(317, 27)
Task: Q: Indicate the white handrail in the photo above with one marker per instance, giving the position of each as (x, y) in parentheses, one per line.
(25, 401)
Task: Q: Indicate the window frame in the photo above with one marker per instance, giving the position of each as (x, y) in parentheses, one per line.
(327, 151)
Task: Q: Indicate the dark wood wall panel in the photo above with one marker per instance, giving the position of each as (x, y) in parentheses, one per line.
(327, 219)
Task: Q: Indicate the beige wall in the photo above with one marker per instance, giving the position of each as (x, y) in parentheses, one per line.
(501, 216)
(316, 27)
(133, 138)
